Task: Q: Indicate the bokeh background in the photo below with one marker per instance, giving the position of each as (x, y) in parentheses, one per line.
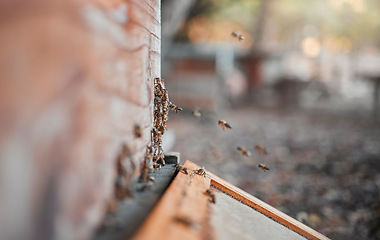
(304, 83)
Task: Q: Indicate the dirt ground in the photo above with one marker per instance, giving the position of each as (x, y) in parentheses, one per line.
(324, 167)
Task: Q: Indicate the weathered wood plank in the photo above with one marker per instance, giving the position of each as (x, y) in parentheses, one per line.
(74, 82)
(182, 211)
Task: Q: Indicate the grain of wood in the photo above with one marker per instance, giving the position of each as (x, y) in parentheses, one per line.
(183, 201)
(74, 82)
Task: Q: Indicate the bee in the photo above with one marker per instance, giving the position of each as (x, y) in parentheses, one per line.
(121, 190)
(197, 113)
(201, 171)
(112, 205)
(224, 125)
(261, 149)
(138, 131)
(211, 195)
(145, 171)
(184, 220)
(173, 107)
(263, 167)
(183, 169)
(156, 165)
(237, 35)
(244, 151)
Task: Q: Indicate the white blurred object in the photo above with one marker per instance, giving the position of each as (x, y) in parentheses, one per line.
(168, 140)
(298, 66)
(236, 83)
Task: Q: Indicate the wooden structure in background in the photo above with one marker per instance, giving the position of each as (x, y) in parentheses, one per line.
(76, 76)
(185, 212)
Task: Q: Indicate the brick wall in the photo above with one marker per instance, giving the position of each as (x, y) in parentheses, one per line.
(75, 78)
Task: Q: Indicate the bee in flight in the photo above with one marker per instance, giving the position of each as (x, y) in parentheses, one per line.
(238, 36)
(261, 149)
(263, 167)
(224, 125)
(174, 108)
(196, 113)
(244, 151)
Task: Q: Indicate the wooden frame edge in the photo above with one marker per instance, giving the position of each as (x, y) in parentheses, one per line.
(265, 208)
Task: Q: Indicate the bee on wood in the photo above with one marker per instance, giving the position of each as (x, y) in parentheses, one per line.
(224, 125)
(263, 167)
(138, 131)
(244, 151)
(184, 220)
(156, 165)
(183, 169)
(196, 113)
(211, 195)
(237, 35)
(261, 149)
(201, 171)
(112, 205)
(145, 171)
(173, 107)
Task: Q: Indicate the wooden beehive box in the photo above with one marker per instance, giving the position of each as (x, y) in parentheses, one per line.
(76, 77)
(207, 207)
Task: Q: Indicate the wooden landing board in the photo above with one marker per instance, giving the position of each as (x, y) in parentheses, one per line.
(182, 211)
(185, 212)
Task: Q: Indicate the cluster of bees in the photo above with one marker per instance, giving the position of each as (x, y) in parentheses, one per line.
(162, 105)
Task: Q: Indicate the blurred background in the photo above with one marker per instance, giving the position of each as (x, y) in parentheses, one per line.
(303, 81)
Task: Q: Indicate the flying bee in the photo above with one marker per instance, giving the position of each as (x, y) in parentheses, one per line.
(173, 107)
(197, 113)
(261, 149)
(237, 35)
(263, 167)
(244, 151)
(183, 169)
(201, 171)
(138, 131)
(211, 195)
(224, 125)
